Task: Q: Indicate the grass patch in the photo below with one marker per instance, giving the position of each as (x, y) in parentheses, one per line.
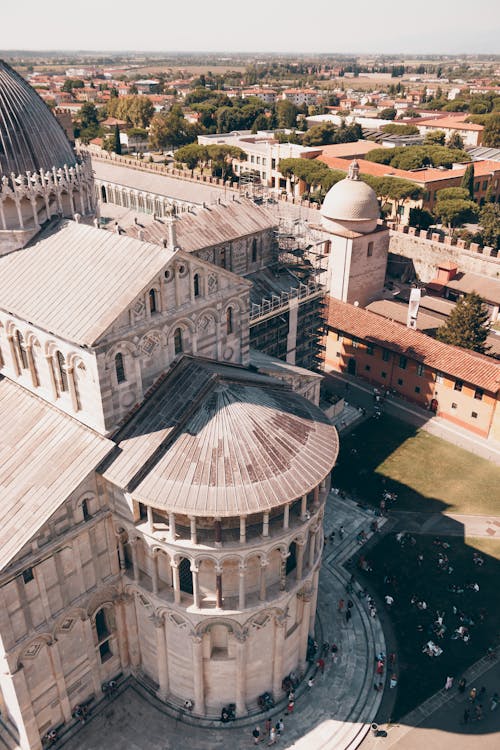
(420, 675)
(428, 473)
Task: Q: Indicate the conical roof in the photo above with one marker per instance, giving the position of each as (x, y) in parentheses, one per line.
(30, 136)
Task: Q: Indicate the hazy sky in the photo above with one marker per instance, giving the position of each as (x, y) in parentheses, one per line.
(432, 26)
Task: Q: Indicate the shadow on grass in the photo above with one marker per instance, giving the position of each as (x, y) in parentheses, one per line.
(397, 570)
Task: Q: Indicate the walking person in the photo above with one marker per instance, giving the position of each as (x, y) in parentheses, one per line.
(348, 616)
(340, 606)
(273, 736)
(256, 735)
(449, 683)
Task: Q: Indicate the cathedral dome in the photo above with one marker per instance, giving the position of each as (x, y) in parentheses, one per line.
(30, 136)
(350, 204)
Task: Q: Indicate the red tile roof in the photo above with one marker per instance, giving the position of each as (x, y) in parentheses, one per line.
(465, 365)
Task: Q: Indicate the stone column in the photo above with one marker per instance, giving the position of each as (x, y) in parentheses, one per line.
(121, 630)
(154, 571)
(198, 677)
(171, 526)
(316, 497)
(263, 583)
(70, 372)
(194, 536)
(218, 587)
(60, 682)
(300, 561)
(121, 551)
(13, 355)
(241, 673)
(303, 508)
(286, 517)
(314, 602)
(265, 524)
(176, 581)
(53, 384)
(306, 597)
(279, 651)
(196, 586)
(31, 365)
(161, 656)
(132, 632)
(312, 548)
(242, 587)
(243, 529)
(29, 736)
(151, 525)
(135, 566)
(284, 556)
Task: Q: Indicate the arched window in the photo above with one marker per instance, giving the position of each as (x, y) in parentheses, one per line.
(178, 340)
(120, 368)
(103, 633)
(152, 302)
(61, 370)
(185, 576)
(196, 284)
(103, 194)
(21, 351)
(291, 560)
(254, 250)
(229, 320)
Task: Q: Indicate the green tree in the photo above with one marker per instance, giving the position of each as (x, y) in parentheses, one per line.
(468, 180)
(420, 218)
(468, 324)
(489, 218)
(286, 113)
(491, 133)
(137, 111)
(389, 113)
(435, 138)
(117, 146)
(171, 130)
(221, 159)
(455, 141)
(453, 206)
(192, 155)
(394, 128)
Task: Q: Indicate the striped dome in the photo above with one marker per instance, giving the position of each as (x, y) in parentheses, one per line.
(30, 136)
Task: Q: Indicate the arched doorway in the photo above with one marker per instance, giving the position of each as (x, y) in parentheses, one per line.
(103, 194)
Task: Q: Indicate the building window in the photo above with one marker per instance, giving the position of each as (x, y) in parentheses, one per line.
(383, 374)
(476, 186)
(28, 575)
(458, 385)
(119, 368)
(152, 302)
(439, 377)
(61, 370)
(386, 355)
(479, 394)
(21, 351)
(254, 250)
(474, 415)
(454, 405)
(103, 634)
(485, 185)
(196, 285)
(400, 381)
(420, 370)
(402, 363)
(367, 368)
(229, 320)
(85, 510)
(369, 250)
(417, 389)
(178, 341)
(369, 349)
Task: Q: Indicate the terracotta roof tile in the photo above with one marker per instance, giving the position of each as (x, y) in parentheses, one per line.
(465, 365)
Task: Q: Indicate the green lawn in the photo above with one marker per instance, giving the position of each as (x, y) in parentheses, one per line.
(419, 675)
(427, 473)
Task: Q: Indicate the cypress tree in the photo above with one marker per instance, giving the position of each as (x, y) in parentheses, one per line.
(468, 325)
(468, 180)
(117, 146)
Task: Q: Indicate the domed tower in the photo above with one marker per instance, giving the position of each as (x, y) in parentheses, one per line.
(40, 174)
(221, 561)
(359, 244)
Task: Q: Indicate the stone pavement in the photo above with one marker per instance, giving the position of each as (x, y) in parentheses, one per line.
(335, 714)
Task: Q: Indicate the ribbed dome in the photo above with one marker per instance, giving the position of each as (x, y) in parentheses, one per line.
(351, 203)
(30, 136)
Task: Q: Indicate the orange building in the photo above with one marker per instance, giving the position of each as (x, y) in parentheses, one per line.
(458, 385)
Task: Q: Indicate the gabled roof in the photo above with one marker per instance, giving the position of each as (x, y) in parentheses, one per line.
(44, 456)
(463, 364)
(77, 280)
(219, 440)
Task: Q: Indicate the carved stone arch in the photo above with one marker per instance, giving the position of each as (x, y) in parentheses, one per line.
(31, 649)
(10, 327)
(281, 547)
(104, 597)
(31, 338)
(262, 618)
(184, 323)
(50, 347)
(206, 625)
(90, 495)
(232, 556)
(122, 346)
(299, 538)
(260, 554)
(197, 559)
(234, 302)
(74, 359)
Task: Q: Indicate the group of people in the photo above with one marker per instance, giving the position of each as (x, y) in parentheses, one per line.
(271, 732)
